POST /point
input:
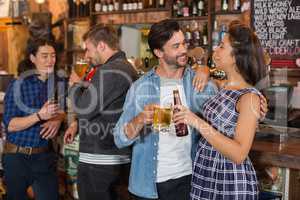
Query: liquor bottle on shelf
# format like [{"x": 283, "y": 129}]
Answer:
[
  {"x": 125, "y": 5},
  {"x": 72, "y": 10},
  {"x": 194, "y": 9},
  {"x": 188, "y": 36},
  {"x": 201, "y": 8},
  {"x": 134, "y": 5},
  {"x": 161, "y": 3},
  {"x": 110, "y": 6},
  {"x": 205, "y": 35},
  {"x": 81, "y": 8},
  {"x": 222, "y": 31},
  {"x": 185, "y": 9},
  {"x": 175, "y": 8},
  {"x": 195, "y": 35},
  {"x": 181, "y": 129},
  {"x": 97, "y": 6},
  {"x": 140, "y": 5},
  {"x": 116, "y": 5},
  {"x": 77, "y": 8},
  {"x": 210, "y": 63},
  {"x": 224, "y": 5},
  {"x": 86, "y": 8},
  {"x": 104, "y": 6},
  {"x": 237, "y": 5},
  {"x": 215, "y": 36},
  {"x": 180, "y": 4},
  {"x": 130, "y": 4},
  {"x": 151, "y": 4}
]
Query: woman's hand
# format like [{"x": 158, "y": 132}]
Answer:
[
  {"x": 182, "y": 114},
  {"x": 201, "y": 78},
  {"x": 49, "y": 110}
]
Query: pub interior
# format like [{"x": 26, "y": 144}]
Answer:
[{"x": 275, "y": 151}]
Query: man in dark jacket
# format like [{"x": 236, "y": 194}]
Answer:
[{"x": 98, "y": 107}]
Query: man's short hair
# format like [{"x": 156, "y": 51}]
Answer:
[
  {"x": 106, "y": 34},
  {"x": 161, "y": 32}
]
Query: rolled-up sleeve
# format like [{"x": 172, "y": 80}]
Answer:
[{"x": 129, "y": 112}]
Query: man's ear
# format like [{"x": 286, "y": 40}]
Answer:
[
  {"x": 158, "y": 53},
  {"x": 32, "y": 58},
  {"x": 101, "y": 46}
]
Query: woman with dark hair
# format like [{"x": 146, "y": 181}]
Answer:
[
  {"x": 222, "y": 169},
  {"x": 31, "y": 118}
]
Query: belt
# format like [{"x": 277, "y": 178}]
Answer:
[{"x": 12, "y": 148}]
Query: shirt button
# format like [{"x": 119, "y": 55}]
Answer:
[
  {"x": 154, "y": 172},
  {"x": 155, "y": 144},
  {"x": 153, "y": 158}
]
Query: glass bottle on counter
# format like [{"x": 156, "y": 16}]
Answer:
[{"x": 181, "y": 129}]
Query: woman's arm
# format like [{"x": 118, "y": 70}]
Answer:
[
  {"x": 235, "y": 149},
  {"x": 48, "y": 111}
]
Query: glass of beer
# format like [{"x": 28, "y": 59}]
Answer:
[
  {"x": 81, "y": 67},
  {"x": 162, "y": 119}
]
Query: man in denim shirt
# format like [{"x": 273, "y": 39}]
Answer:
[{"x": 161, "y": 163}]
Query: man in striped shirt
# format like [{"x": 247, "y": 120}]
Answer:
[{"x": 98, "y": 107}]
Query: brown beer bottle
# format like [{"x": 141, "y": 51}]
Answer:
[{"x": 181, "y": 129}]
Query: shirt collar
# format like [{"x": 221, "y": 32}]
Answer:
[{"x": 153, "y": 73}]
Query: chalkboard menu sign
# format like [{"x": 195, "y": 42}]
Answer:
[{"x": 277, "y": 24}]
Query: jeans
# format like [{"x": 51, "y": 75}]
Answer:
[
  {"x": 174, "y": 189},
  {"x": 38, "y": 170},
  {"x": 105, "y": 182}
]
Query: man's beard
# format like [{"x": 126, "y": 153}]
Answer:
[{"x": 173, "y": 61}]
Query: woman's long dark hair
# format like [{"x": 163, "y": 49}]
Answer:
[{"x": 248, "y": 52}]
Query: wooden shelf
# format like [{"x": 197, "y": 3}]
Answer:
[
  {"x": 190, "y": 18},
  {"x": 227, "y": 12},
  {"x": 75, "y": 50},
  {"x": 131, "y": 11},
  {"x": 76, "y": 19}
]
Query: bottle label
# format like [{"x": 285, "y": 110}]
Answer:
[
  {"x": 125, "y": 6},
  {"x": 185, "y": 11},
  {"x": 116, "y": 5},
  {"x": 110, "y": 7},
  {"x": 104, "y": 8},
  {"x": 140, "y": 5},
  {"x": 200, "y": 5},
  {"x": 97, "y": 7}
]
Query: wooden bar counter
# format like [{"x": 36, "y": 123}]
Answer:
[{"x": 278, "y": 146}]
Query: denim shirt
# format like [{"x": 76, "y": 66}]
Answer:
[{"x": 146, "y": 90}]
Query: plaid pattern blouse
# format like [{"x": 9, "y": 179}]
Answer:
[
  {"x": 24, "y": 97},
  {"x": 214, "y": 175}
]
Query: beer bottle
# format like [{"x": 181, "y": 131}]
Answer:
[{"x": 181, "y": 129}]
